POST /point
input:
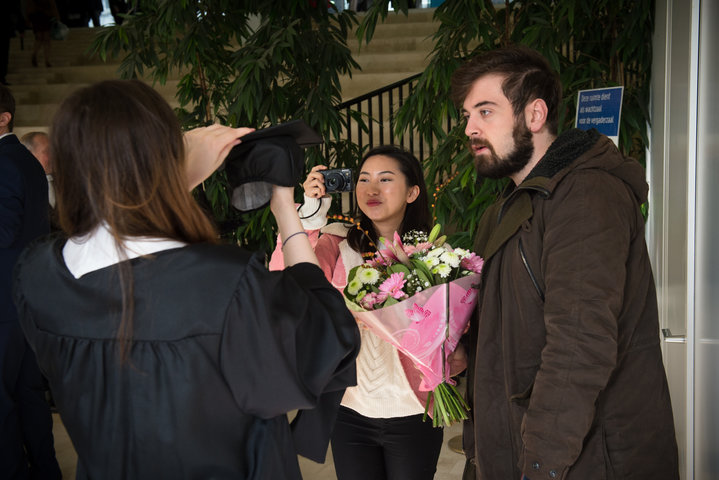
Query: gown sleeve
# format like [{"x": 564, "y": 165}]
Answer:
[{"x": 290, "y": 343}]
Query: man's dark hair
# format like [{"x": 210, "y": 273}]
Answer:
[
  {"x": 527, "y": 76},
  {"x": 7, "y": 104}
]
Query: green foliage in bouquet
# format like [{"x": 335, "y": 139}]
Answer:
[{"x": 406, "y": 266}]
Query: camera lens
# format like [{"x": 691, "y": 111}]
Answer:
[
  {"x": 333, "y": 181},
  {"x": 337, "y": 180}
]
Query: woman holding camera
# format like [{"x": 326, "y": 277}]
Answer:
[
  {"x": 379, "y": 433},
  {"x": 169, "y": 355}
]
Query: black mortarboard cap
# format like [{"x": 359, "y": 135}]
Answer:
[{"x": 266, "y": 157}]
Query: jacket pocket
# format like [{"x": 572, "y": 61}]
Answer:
[
  {"x": 593, "y": 461},
  {"x": 532, "y": 276},
  {"x": 518, "y": 405},
  {"x": 607, "y": 459},
  {"x": 522, "y": 398}
]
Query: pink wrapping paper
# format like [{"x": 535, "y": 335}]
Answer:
[{"x": 417, "y": 325}]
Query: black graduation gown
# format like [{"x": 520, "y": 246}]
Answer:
[{"x": 222, "y": 349}]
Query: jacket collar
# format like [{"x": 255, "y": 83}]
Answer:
[
  {"x": 9, "y": 138},
  {"x": 563, "y": 152},
  {"x": 502, "y": 219}
]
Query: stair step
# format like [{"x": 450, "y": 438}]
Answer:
[
  {"x": 63, "y": 74},
  {"x": 55, "y": 92},
  {"x": 362, "y": 83},
  {"x": 414, "y": 15},
  {"x": 389, "y": 62},
  {"x": 399, "y": 48},
  {"x": 392, "y": 44},
  {"x": 71, "y": 51},
  {"x": 42, "y": 113},
  {"x": 401, "y": 30}
]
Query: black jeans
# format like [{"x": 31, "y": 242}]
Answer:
[{"x": 402, "y": 448}]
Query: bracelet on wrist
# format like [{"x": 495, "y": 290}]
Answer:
[{"x": 284, "y": 242}]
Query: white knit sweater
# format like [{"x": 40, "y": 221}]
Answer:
[{"x": 382, "y": 389}]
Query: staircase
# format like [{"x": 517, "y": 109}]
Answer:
[{"x": 398, "y": 50}]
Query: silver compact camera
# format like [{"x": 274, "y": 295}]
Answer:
[{"x": 338, "y": 180}]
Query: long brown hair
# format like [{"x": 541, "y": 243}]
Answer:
[{"x": 119, "y": 158}]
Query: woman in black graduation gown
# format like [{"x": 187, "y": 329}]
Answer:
[{"x": 169, "y": 355}]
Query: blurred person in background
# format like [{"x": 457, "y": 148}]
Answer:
[
  {"x": 39, "y": 145},
  {"x": 26, "y": 443},
  {"x": 40, "y": 14}
]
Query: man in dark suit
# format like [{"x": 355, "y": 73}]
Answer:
[{"x": 26, "y": 442}]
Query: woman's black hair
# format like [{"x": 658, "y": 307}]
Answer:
[{"x": 416, "y": 217}]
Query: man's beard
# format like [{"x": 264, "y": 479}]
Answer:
[{"x": 500, "y": 167}]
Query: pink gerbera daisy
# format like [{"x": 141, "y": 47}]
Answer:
[
  {"x": 473, "y": 263},
  {"x": 393, "y": 285}
]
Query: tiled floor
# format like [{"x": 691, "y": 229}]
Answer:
[{"x": 450, "y": 464}]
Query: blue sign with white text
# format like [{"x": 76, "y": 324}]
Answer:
[{"x": 600, "y": 108}]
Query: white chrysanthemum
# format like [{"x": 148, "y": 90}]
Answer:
[
  {"x": 354, "y": 286},
  {"x": 430, "y": 261},
  {"x": 368, "y": 276},
  {"x": 436, "y": 252},
  {"x": 451, "y": 259},
  {"x": 461, "y": 252},
  {"x": 443, "y": 270}
]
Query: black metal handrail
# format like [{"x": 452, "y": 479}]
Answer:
[{"x": 379, "y": 108}]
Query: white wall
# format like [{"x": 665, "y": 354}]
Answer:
[{"x": 683, "y": 231}]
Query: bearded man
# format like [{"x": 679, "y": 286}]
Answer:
[{"x": 566, "y": 379}]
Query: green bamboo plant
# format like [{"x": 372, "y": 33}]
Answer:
[
  {"x": 256, "y": 62},
  {"x": 592, "y": 44},
  {"x": 248, "y": 63}
]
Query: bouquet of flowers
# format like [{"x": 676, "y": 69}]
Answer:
[{"x": 418, "y": 294}]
